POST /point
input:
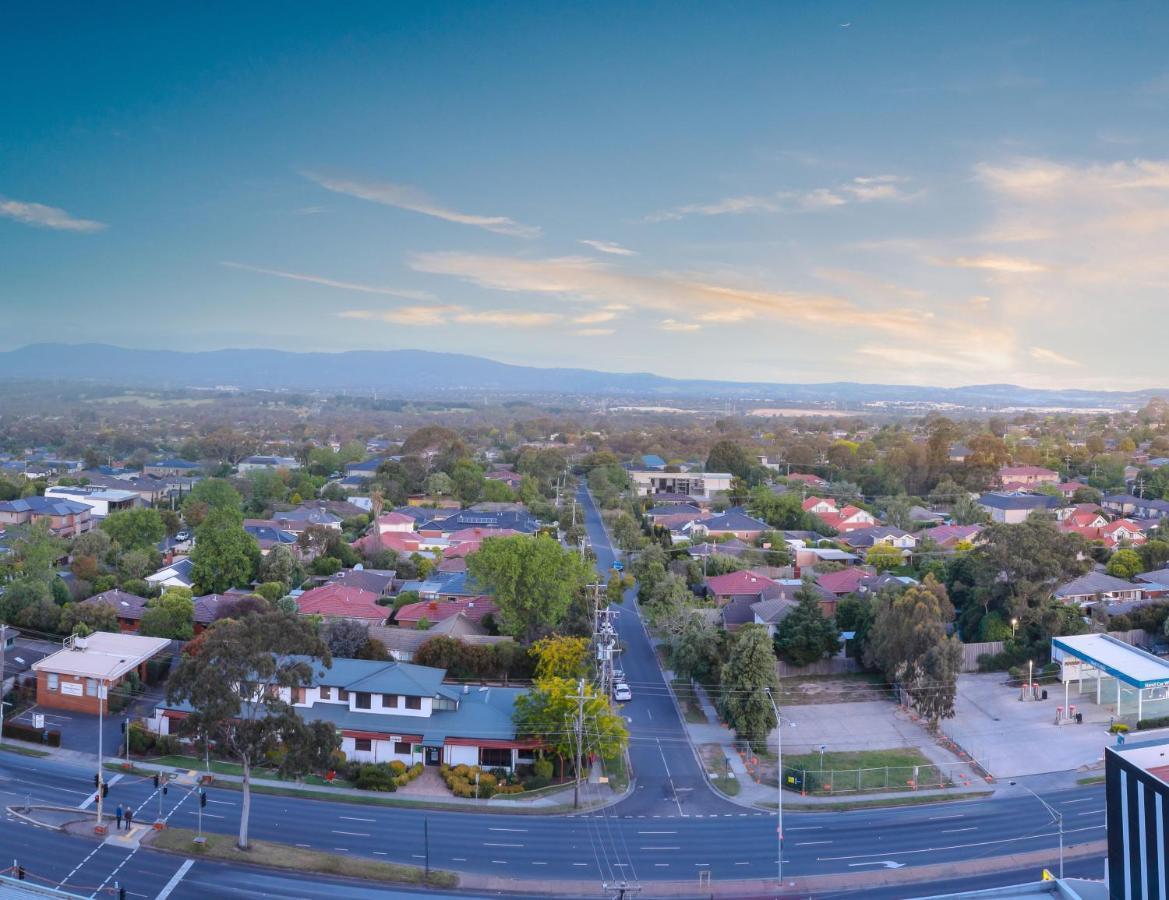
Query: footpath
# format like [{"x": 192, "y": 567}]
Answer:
[{"x": 595, "y": 794}]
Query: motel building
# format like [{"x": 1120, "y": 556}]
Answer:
[{"x": 70, "y": 678}]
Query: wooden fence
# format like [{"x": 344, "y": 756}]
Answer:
[
  {"x": 837, "y": 665},
  {"x": 971, "y": 652}
]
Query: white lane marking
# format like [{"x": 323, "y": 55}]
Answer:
[
  {"x": 356, "y": 819},
  {"x": 304, "y": 845},
  {"x": 82, "y": 863},
  {"x": 92, "y": 796},
  {"x": 661, "y": 848},
  {"x": 939, "y": 818},
  {"x": 811, "y": 843},
  {"x": 956, "y": 830},
  {"x": 522, "y": 830},
  {"x": 656, "y": 865},
  {"x": 350, "y": 833},
  {"x": 501, "y": 862},
  {"x": 1008, "y": 840},
  {"x": 657, "y": 832},
  {"x": 174, "y": 880},
  {"x": 490, "y": 844},
  {"x": 458, "y": 859},
  {"x": 228, "y": 803},
  {"x": 580, "y": 864},
  {"x": 1092, "y": 812},
  {"x": 379, "y": 852},
  {"x": 1081, "y": 800},
  {"x": 806, "y": 828}
]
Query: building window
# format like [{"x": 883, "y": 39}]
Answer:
[
  {"x": 365, "y": 744},
  {"x": 298, "y": 695},
  {"x": 326, "y": 693},
  {"x": 343, "y": 695},
  {"x": 413, "y": 703},
  {"x": 363, "y": 700},
  {"x": 389, "y": 701},
  {"x": 90, "y": 687},
  {"x": 492, "y": 757},
  {"x": 51, "y": 681},
  {"x": 403, "y": 748}
]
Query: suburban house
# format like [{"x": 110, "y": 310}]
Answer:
[
  {"x": 302, "y": 517},
  {"x": 389, "y": 711},
  {"x": 102, "y": 501},
  {"x": 812, "y": 481},
  {"x": 338, "y": 601},
  {"x": 1015, "y": 508},
  {"x": 1097, "y": 587},
  {"x": 948, "y": 537},
  {"x": 177, "y": 574},
  {"x": 128, "y": 607},
  {"x": 432, "y": 611},
  {"x": 70, "y": 678},
  {"x": 513, "y": 519},
  {"x": 1128, "y": 505},
  {"x": 169, "y": 468},
  {"x": 376, "y": 581},
  {"x": 702, "y": 485},
  {"x": 268, "y": 534},
  {"x": 772, "y": 610},
  {"x": 863, "y": 538},
  {"x": 848, "y": 518},
  {"x": 732, "y": 523},
  {"x": 674, "y": 515},
  {"x": 402, "y": 643},
  {"x": 743, "y": 583},
  {"x": 66, "y": 518},
  {"x": 253, "y": 463},
  {"x": 1014, "y": 477},
  {"x": 395, "y": 521},
  {"x": 651, "y": 462},
  {"x": 512, "y": 479}
]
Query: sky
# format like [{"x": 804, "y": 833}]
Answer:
[{"x": 939, "y": 192}]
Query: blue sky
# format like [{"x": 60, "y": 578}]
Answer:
[{"x": 946, "y": 193}]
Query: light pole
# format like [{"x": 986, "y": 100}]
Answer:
[
  {"x": 779, "y": 720},
  {"x": 1014, "y": 627},
  {"x": 102, "y": 693},
  {"x": 1056, "y": 817}
]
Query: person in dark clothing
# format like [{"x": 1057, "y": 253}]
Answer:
[
  {"x": 118, "y": 816},
  {"x": 129, "y": 818}
]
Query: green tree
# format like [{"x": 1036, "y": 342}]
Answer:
[
  {"x": 909, "y": 644},
  {"x": 1154, "y": 555},
  {"x": 440, "y": 484},
  {"x": 94, "y": 544},
  {"x": 783, "y": 511},
  {"x": 696, "y": 649},
  {"x": 728, "y": 456},
  {"x": 88, "y": 616},
  {"x": 36, "y": 550},
  {"x": 237, "y": 683},
  {"x": 171, "y": 615},
  {"x": 1125, "y": 564},
  {"x": 967, "y": 511},
  {"x": 627, "y": 531},
  {"x": 747, "y": 676},
  {"x": 224, "y": 556},
  {"x": 135, "y": 529},
  {"x": 897, "y": 512},
  {"x": 806, "y": 635},
  {"x": 209, "y": 495},
  {"x": 281, "y": 565},
  {"x": 533, "y": 580}
]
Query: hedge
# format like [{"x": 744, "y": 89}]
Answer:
[
  {"x": 27, "y": 733},
  {"x": 1158, "y": 722}
]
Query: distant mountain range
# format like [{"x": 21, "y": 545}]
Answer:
[{"x": 426, "y": 373}]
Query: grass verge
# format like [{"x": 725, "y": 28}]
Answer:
[
  {"x": 913, "y": 800},
  {"x": 618, "y": 773},
  {"x": 23, "y": 751},
  {"x": 688, "y": 700},
  {"x": 1091, "y": 779},
  {"x": 219, "y": 767},
  {"x": 285, "y": 856}
]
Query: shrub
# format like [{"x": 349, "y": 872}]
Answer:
[
  {"x": 375, "y": 777},
  {"x": 28, "y": 733},
  {"x": 1158, "y": 722},
  {"x": 397, "y": 767},
  {"x": 543, "y": 769},
  {"x": 166, "y": 745},
  {"x": 1118, "y": 728},
  {"x": 415, "y": 770},
  {"x": 509, "y": 789},
  {"x": 141, "y": 740}
]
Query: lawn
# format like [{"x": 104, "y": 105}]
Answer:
[
  {"x": 284, "y": 856},
  {"x": 219, "y": 767},
  {"x": 23, "y": 751},
  {"x": 617, "y": 771},
  {"x": 688, "y": 700},
  {"x": 861, "y": 771},
  {"x": 714, "y": 761}
]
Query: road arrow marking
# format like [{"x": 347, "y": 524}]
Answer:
[{"x": 887, "y": 863}]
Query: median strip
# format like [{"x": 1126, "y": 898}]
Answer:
[{"x": 286, "y": 856}]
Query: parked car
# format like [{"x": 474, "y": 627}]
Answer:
[
  {"x": 183, "y": 536},
  {"x": 621, "y": 693}
]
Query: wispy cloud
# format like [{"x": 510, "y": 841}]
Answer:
[
  {"x": 993, "y": 263},
  {"x": 445, "y": 314},
  {"x": 42, "y": 216},
  {"x": 406, "y": 197},
  {"x": 403, "y": 293},
  {"x": 675, "y": 325},
  {"x": 866, "y": 189},
  {"x": 608, "y": 247},
  {"x": 1043, "y": 354},
  {"x": 594, "y": 332},
  {"x": 595, "y": 318}
]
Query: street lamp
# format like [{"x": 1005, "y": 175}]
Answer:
[
  {"x": 779, "y": 720},
  {"x": 1014, "y": 626},
  {"x": 1056, "y": 817}
]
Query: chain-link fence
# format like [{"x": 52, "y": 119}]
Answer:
[{"x": 880, "y": 779}]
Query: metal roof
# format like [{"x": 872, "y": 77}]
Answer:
[{"x": 1125, "y": 662}]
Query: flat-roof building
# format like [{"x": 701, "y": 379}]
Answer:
[{"x": 72, "y": 677}]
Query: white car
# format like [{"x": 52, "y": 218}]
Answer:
[{"x": 621, "y": 693}]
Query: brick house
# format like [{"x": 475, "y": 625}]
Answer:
[{"x": 71, "y": 678}]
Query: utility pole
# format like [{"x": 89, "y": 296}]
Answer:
[
  {"x": 99, "y": 781},
  {"x": 3, "y": 641},
  {"x": 579, "y": 726},
  {"x": 778, "y": 790}
]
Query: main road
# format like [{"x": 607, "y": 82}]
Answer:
[{"x": 671, "y": 828}]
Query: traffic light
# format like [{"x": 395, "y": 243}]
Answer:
[
  {"x": 156, "y": 781},
  {"x": 20, "y": 873},
  {"x": 105, "y": 790},
  {"x": 202, "y": 797},
  {"x": 123, "y": 726},
  {"x": 164, "y": 790},
  {"x": 96, "y": 780}
]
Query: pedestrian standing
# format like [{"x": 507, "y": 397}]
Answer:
[
  {"x": 118, "y": 815},
  {"x": 129, "y": 818}
]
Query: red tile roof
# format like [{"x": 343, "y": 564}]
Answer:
[
  {"x": 474, "y": 608},
  {"x": 845, "y": 581},
  {"x": 737, "y": 584},
  {"x": 339, "y": 601}
]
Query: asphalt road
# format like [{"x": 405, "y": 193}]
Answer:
[{"x": 671, "y": 828}]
